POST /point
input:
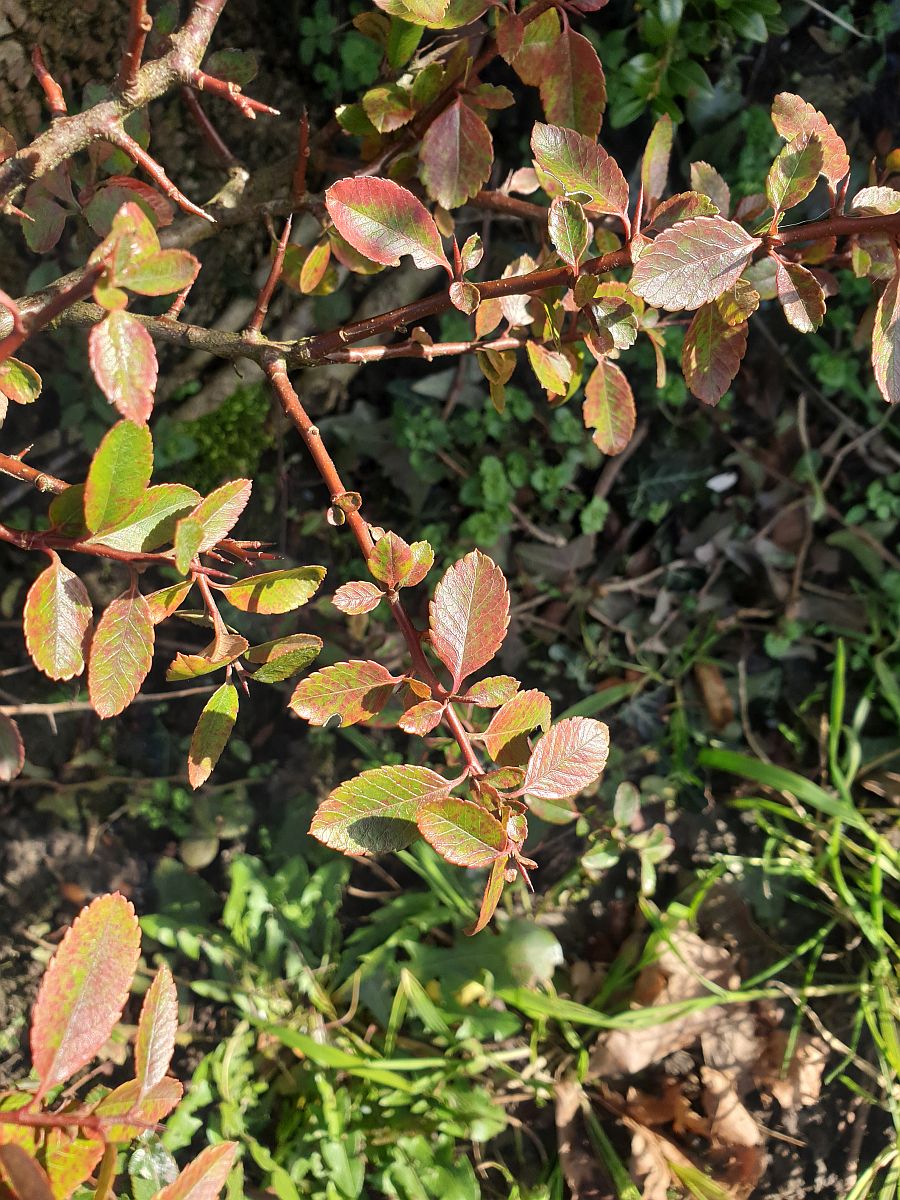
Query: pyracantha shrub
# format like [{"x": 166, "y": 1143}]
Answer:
[{"x": 614, "y": 264}]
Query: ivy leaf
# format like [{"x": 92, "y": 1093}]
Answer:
[
  {"x": 569, "y": 231},
  {"x": 12, "y": 749},
  {"x": 376, "y": 811},
  {"x": 609, "y": 408},
  {"x": 712, "y": 353},
  {"x": 794, "y": 172},
  {"x": 121, "y": 653},
  {"x": 693, "y": 262},
  {"x": 456, "y": 155},
  {"x": 491, "y": 692},
  {"x": 469, "y": 615},
  {"x": 152, "y": 523},
  {"x": 708, "y": 182},
  {"x": 572, "y": 84},
  {"x": 581, "y": 166},
  {"x": 493, "y": 890},
  {"x": 165, "y": 601},
  {"x": 524, "y": 712},
  {"x": 274, "y": 592},
  {"x": 118, "y": 476},
  {"x": 567, "y": 759},
  {"x": 205, "y": 1177},
  {"x": 211, "y": 733},
  {"x": 655, "y": 163},
  {"x": 358, "y": 596},
  {"x": 886, "y": 342},
  {"x": 218, "y": 513},
  {"x": 284, "y": 657},
  {"x": 57, "y": 621},
  {"x": 463, "y": 833},
  {"x": 157, "y": 1026},
  {"x": 422, "y": 718},
  {"x": 552, "y": 368},
  {"x": 382, "y": 221},
  {"x": 680, "y": 208},
  {"x": 84, "y": 989},
  {"x": 800, "y": 295},
  {"x": 793, "y": 118},
  {"x": 159, "y": 274},
  {"x": 19, "y": 382},
  {"x": 127, "y": 1111},
  {"x": 354, "y": 691},
  {"x": 219, "y": 653}
]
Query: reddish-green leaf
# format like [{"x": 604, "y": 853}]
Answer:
[
  {"x": 552, "y": 368},
  {"x": 536, "y": 46},
  {"x": 655, "y": 163},
  {"x": 159, "y": 274},
  {"x": 572, "y": 85},
  {"x": 567, "y": 759},
  {"x": 616, "y": 310},
  {"x": 794, "y": 172},
  {"x": 391, "y": 559},
  {"x": 157, "y": 1027},
  {"x": 66, "y": 512},
  {"x": 57, "y": 621},
  {"x": 48, "y": 219},
  {"x": 581, "y": 166},
  {"x": 164, "y": 602},
  {"x": 127, "y": 1111},
  {"x": 205, "y": 1177},
  {"x": 739, "y": 303},
  {"x": 680, "y": 208},
  {"x": 123, "y": 362},
  {"x": 422, "y": 718},
  {"x": 84, "y": 989},
  {"x": 152, "y": 523},
  {"x": 315, "y": 267},
  {"x": 382, "y": 220},
  {"x": 469, "y": 615},
  {"x": 284, "y": 657},
  {"x": 464, "y": 296},
  {"x": 219, "y": 512},
  {"x": 69, "y": 1160},
  {"x": 463, "y": 833},
  {"x": 19, "y": 382},
  {"x": 801, "y": 296},
  {"x": 358, "y": 596},
  {"x": 708, "y": 182},
  {"x": 456, "y": 155},
  {"x": 886, "y": 342},
  {"x": 188, "y": 536},
  {"x": 27, "y": 1177},
  {"x": 12, "y": 749},
  {"x": 693, "y": 262},
  {"x": 569, "y": 231},
  {"x": 871, "y": 200},
  {"x": 211, "y": 733},
  {"x": 219, "y": 653},
  {"x": 121, "y": 653},
  {"x": 276, "y": 591},
  {"x": 388, "y": 107},
  {"x": 376, "y": 812},
  {"x": 353, "y": 691},
  {"x": 493, "y": 890},
  {"x": 712, "y": 353},
  {"x": 491, "y": 692},
  {"x": 503, "y": 778},
  {"x": 793, "y": 117},
  {"x": 118, "y": 476},
  {"x": 609, "y": 408},
  {"x": 524, "y": 712}
]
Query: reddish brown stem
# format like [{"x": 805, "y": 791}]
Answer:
[
  {"x": 10, "y": 304},
  {"x": 838, "y": 227},
  {"x": 411, "y": 349},
  {"x": 268, "y": 288},
  {"x": 206, "y": 127},
  {"x": 10, "y": 465},
  {"x": 231, "y": 91},
  {"x": 510, "y": 206},
  {"x": 56, "y": 101},
  {"x": 298, "y": 182},
  {"x": 276, "y": 370},
  {"x": 26, "y": 539},
  {"x": 117, "y": 135},
  {"x": 139, "y": 25},
  {"x": 30, "y": 322}
]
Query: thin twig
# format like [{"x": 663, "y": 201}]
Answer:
[
  {"x": 56, "y": 101},
  {"x": 12, "y": 465},
  {"x": 69, "y": 706},
  {"x": 231, "y": 91},
  {"x": 206, "y": 127},
  {"x": 126, "y": 143},
  {"x": 268, "y": 288},
  {"x": 139, "y": 25}
]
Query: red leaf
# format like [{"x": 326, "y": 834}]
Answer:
[
  {"x": 801, "y": 296},
  {"x": 524, "y": 712},
  {"x": 456, "y": 155},
  {"x": 793, "y": 117},
  {"x": 886, "y": 342},
  {"x": 422, "y": 718},
  {"x": 211, "y": 733},
  {"x": 679, "y": 208},
  {"x": 567, "y": 759},
  {"x": 693, "y": 262},
  {"x": 376, "y": 812},
  {"x": 205, "y": 1177},
  {"x": 573, "y": 88},
  {"x": 469, "y": 615},
  {"x": 157, "y": 1027},
  {"x": 358, "y": 596},
  {"x": 121, "y": 653},
  {"x": 609, "y": 408},
  {"x": 84, "y": 989},
  {"x": 382, "y": 220},
  {"x": 57, "y": 621},
  {"x": 493, "y": 890},
  {"x": 655, "y": 163},
  {"x": 491, "y": 692},
  {"x": 712, "y": 353},
  {"x": 12, "y": 749},
  {"x": 353, "y": 691},
  {"x": 463, "y": 833},
  {"x": 581, "y": 166}
]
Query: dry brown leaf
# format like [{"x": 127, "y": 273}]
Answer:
[
  {"x": 716, "y": 697},
  {"x": 651, "y": 1154},
  {"x": 801, "y": 1083},
  {"x": 729, "y": 1121},
  {"x": 734, "y": 1046},
  {"x": 577, "y": 1159}
]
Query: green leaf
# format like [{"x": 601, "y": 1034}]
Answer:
[
  {"x": 463, "y": 833},
  {"x": 568, "y": 759},
  {"x": 284, "y": 657},
  {"x": 152, "y": 523},
  {"x": 800, "y": 295},
  {"x": 219, "y": 512},
  {"x": 276, "y": 591},
  {"x": 353, "y": 691},
  {"x": 234, "y": 66},
  {"x": 205, "y": 1177},
  {"x": 376, "y": 812},
  {"x": 581, "y": 167},
  {"x": 569, "y": 231},
  {"x": 655, "y": 163},
  {"x": 121, "y": 653},
  {"x": 57, "y": 621},
  {"x": 493, "y": 890},
  {"x": 469, "y": 615},
  {"x": 693, "y": 262},
  {"x": 609, "y": 408},
  {"x": 382, "y": 221},
  {"x": 708, "y": 182},
  {"x": 12, "y": 749},
  {"x": 164, "y": 602},
  {"x": 118, "y": 476},
  {"x": 188, "y": 536},
  {"x": 712, "y": 353},
  {"x": 212, "y": 733},
  {"x": 739, "y": 303},
  {"x": 157, "y": 1026},
  {"x": 19, "y": 382},
  {"x": 159, "y": 274},
  {"x": 886, "y": 342},
  {"x": 524, "y": 712},
  {"x": 66, "y": 512},
  {"x": 572, "y": 85},
  {"x": 84, "y": 989},
  {"x": 492, "y": 691},
  {"x": 388, "y": 107},
  {"x": 219, "y": 653},
  {"x": 456, "y": 155},
  {"x": 794, "y": 172},
  {"x": 616, "y": 311},
  {"x": 551, "y": 367}
]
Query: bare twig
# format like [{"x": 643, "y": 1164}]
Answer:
[
  {"x": 117, "y": 135},
  {"x": 11, "y": 464},
  {"x": 231, "y": 91},
  {"x": 56, "y": 101},
  {"x": 206, "y": 127},
  {"x": 139, "y": 25},
  {"x": 268, "y": 288}
]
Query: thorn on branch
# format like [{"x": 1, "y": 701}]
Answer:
[
  {"x": 139, "y": 25},
  {"x": 151, "y": 167},
  {"x": 232, "y": 92},
  {"x": 56, "y": 101},
  {"x": 209, "y": 131},
  {"x": 268, "y": 288}
]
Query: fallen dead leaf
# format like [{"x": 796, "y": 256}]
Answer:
[
  {"x": 579, "y": 1163},
  {"x": 800, "y": 1084},
  {"x": 716, "y": 697},
  {"x": 729, "y": 1121},
  {"x": 651, "y": 1156}
]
